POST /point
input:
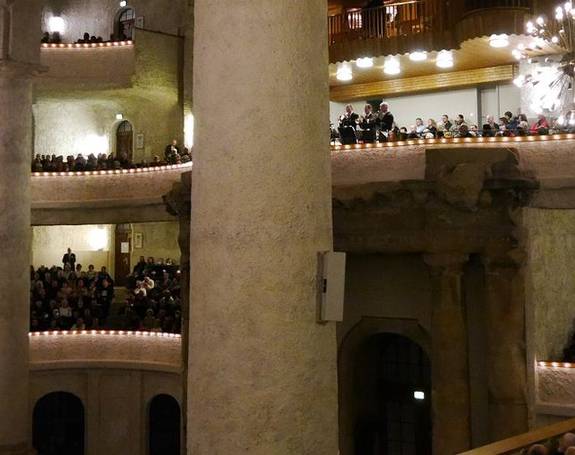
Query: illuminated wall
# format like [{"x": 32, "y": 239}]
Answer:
[
  {"x": 92, "y": 244},
  {"x": 159, "y": 240}
]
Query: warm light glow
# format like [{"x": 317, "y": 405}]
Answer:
[
  {"x": 123, "y": 3},
  {"x": 344, "y": 73},
  {"x": 56, "y": 24},
  {"x": 98, "y": 239},
  {"x": 419, "y": 395},
  {"x": 92, "y": 143},
  {"x": 392, "y": 66},
  {"x": 119, "y": 116},
  {"x": 364, "y": 62},
  {"x": 189, "y": 130},
  {"x": 498, "y": 41},
  {"x": 418, "y": 56},
  {"x": 444, "y": 59}
]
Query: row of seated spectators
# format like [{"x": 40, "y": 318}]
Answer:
[
  {"x": 154, "y": 300},
  {"x": 56, "y": 38},
  {"x": 380, "y": 126},
  {"x": 69, "y": 297},
  {"x": 564, "y": 445},
  {"x": 80, "y": 163}
]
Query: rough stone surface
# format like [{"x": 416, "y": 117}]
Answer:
[{"x": 262, "y": 374}]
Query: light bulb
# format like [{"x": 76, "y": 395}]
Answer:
[
  {"x": 364, "y": 62},
  {"x": 418, "y": 56},
  {"x": 444, "y": 59},
  {"x": 392, "y": 66},
  {"x": 344, "y": 73},
  {"x": 498, "y": 41}
]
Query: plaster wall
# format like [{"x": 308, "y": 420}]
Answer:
[
  {"x": 550, "y": 245},
  {"x": 386, "y": 286},
  {"x": 159, "y": 240},
  {"x": 97, "y": 16},
  {"x": 49, "y": 243}
]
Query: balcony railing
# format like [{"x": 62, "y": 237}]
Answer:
[
  {"x": 471, "y": 5},
  {"x": 392, "y": 20}
]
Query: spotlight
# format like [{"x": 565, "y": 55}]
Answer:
[
  {"x": 418, "y": 56},
  {"x": 364, "y": 62},
  {"x": 344, "y": 73},
  {"x": 499, "y": 41},
  {"x": 392, "y": 66},
  {"x": 444, "y": 59}
]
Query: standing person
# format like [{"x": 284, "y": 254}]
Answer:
[
  {"x": 70, "y": 259},
  {"x": 367, "y": 124},
  {"x": 348, "y": 122},
  {"x": 384, "y": 121}
]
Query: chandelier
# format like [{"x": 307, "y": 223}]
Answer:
[{"x": 552, "y": 78}]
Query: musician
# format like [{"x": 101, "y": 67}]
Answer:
[
  {"x": 348, "y": 123},
  {"x": 384, "y": 121},
  {"x": 367, "y": 124}
]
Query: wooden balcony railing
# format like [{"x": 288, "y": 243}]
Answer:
[
  {"x": 515, "y": 444},
  {"x": 471, "y": 5},
  {"x": 392, "y": 20}
]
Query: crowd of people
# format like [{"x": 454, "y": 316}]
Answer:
[
  {"x": 153, "y": 303},
  {"x": 564, "y": 445},
  {"x": 80, "y": 163},
  {"x": 380, "y": 126},
  {"x": 56, "y": 38},
  {"x": 68, "y": 297}
]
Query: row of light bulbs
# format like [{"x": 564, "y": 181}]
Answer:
[{"x": 392, "y": 65}]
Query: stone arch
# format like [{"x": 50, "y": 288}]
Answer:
[{"x": 164, "y": 425}]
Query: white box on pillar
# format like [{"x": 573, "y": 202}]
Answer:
[{"x": 332, "y": 269}]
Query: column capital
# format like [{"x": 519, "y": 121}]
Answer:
[
  {"x": 440, "y": 263},
  {"x": 512, "y": 259}
]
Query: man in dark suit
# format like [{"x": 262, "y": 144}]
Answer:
[
  {"x": 70, "y": 258},
  {"x": 384, "y": 121}
]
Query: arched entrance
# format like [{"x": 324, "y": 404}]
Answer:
[
  {"x": 124, "y": 141},
  {"x": 164, "y": 426},
  {"x": 125, "y": 24},
  {"x": 392, "y": 387},
  {"x": 58, "y": 425}
]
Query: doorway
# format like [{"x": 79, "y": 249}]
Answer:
[
  {"x": 124, "y": 141},
  {"x": 58, "y": 425},
  {"x": 122, "y": 251},
  {"x": 392, "y": 376},
  {"x": 125, "y": 24},
  {"x": 164, "y": 429}
]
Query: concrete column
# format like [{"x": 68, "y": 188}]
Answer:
[
  {"x": 449, "y": 365},
  {"x": 506, "y": 357},
  {"x": 19, "y": 51},
  {"x": 262, "y": 372},
  {"x": 15, "y": 153}
]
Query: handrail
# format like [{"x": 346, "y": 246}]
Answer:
[
  {"x": 391, "y": 20},
  {"x": 512, "y": 445}
]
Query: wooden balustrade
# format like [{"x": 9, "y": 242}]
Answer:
[
  {"x": 515, "y": 444},
  {"x": 392, "y": 20}
]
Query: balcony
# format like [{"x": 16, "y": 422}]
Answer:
[{"x": 390, "y": 29}]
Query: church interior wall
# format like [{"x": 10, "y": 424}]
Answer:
[{"x": 159, "y": 240}]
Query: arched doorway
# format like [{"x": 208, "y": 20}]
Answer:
[
  {"x": 125, "y": 24},
  {"x": 58, "y": 425},
  {"x": 392, "y": 377},
  {"x": 124, "y": 141},
  {"x": 164, "y": 426}
]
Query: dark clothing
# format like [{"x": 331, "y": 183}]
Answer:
[
  {"x": 168, "y": 153},
  {"x": 349, "y": 120},
  {"x": 368, "y": 121},
  {"x": 385, "y": 121},
  {"x": 70, "y": 258}
]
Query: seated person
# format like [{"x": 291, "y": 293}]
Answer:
[
  {"x": 419, "y": 127},
  {"x": 430, "y": 129},
  {"x": 172, "y": 150},
  {"x": 541, "y": 126},
  {"x": 488, "y": 131},
  {"x": 445, "y": 124}
]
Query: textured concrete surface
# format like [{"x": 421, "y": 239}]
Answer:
[{"x": 262, "y": 374}]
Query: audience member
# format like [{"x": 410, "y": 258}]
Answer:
[
  {"x": 385, "y": 121},
  {"x": 69, "y": 259}
]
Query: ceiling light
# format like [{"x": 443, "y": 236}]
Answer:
[
  {"x": 344, "y": 73},
  {"x": 56, "y": 25},
  {"x": 123, "y": 3},
  {"x": 498, "y": 41},
  {"x": 418, "y": 56},
  {"x": 364, "y": 62},
  {"x": 444, "y": 59},
  {"x": 392, "y": 66},
  {"x": 119, "y": 116},
  {"x": 419, "y": 395}
]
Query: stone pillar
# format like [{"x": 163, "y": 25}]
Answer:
[
  {"x": 506, "y": 356},
  {"x": 262, "y": 372},
  {"x": 19, "y": 47},
  {"x": 449, "y": 365}
]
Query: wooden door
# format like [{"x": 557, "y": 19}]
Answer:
[
  {"x": 123, "y": 247},
  {"x": 124, "y": 141}
]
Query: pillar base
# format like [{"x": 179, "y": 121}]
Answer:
[{"x": 17, "y": 449}]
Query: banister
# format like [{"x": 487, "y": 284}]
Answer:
[{"x": 514, "y": 444}]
